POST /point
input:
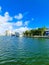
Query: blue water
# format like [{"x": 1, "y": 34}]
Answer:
[{"x": 24, "y": 51}]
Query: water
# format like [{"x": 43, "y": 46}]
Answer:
[{"x": 24, "y": 51}]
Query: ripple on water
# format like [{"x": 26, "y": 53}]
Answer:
[{"x": 24, "y": 51}]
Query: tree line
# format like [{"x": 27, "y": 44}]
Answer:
[{"x": 33, "y": 32}]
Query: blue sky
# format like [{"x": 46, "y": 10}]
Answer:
[{"x": 24, "y": 14}]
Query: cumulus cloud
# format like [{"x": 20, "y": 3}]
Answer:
[
  {"x": 19, "y": 23},
  {"x": 19, "y": 16},
  {"x": 5, "y": 23},
  {"x": 26, "y": 23},
  {"x": 7, "y": 16},
  {"x": 22, "y": 29},
  {"x": 4, "y": 19}
]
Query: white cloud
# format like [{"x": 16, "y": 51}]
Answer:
[
  {"x": 26, "y": 23},
  {"x": 4, "y": 19},
  {"x": 19, "y": 23},
  {"x": 19, "y": 16},
  {"x": 5, "y": 26},
  {"x": 21, "y": 29},
  {"x": 7, "y": 17},
  {"x": 5, "y": 23}
]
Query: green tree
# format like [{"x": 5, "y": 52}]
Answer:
[
  {"x": 26, "y": 33},
  {"x": 42, "y": 30}
]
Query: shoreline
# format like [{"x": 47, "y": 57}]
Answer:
[
  {"x": 41, "y": 36},
  {"x": 37, "y": 36}
]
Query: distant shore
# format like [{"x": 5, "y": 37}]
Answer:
[{"x": 38, "y": 36}]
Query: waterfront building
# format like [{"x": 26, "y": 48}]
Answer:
[
  {"x": 47, "y": 32},
  {"x": 8, "y": 33},
  {"x": 17, "y": 34}
]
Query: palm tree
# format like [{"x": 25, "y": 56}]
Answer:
[
  {"x": 26, "y": 33},
  {"x": 42, "y": 30}
]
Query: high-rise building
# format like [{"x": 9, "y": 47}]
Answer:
[{"x": 8, "y": 33}]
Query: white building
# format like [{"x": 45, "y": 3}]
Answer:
[{"x": 8, "y": 33}]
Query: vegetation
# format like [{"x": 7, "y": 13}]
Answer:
[{"x": 38, "y": 32}]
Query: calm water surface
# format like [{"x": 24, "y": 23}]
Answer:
[{"x": 24, "y": 51}]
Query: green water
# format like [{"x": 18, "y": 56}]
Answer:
[{"x": 24, "y": 51}]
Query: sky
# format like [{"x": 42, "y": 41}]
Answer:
[{"x": 22, "y": 15}]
